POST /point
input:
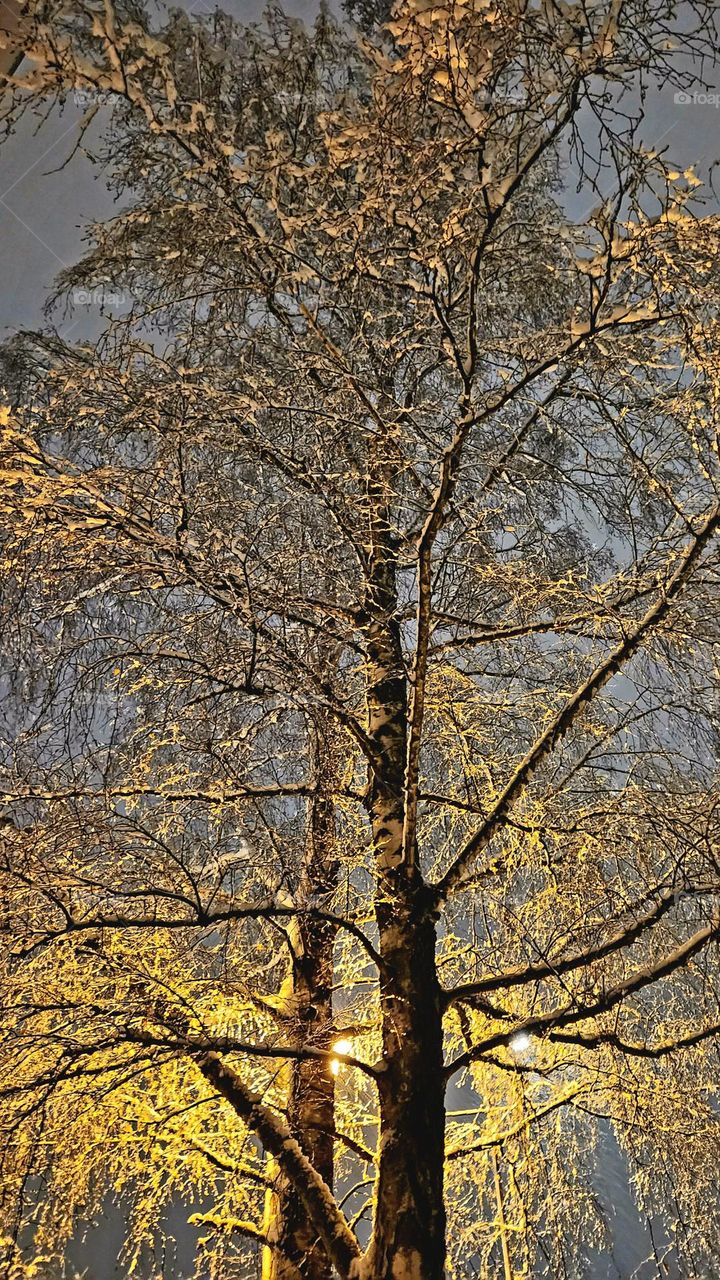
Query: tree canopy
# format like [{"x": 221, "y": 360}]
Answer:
[{"x": 359, "y": 859}]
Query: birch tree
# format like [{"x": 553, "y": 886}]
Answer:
[{"x": 360, "y": 852}]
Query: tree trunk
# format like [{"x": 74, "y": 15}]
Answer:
[
  {"x": 409, "y": 1226},
  {"x": 297, "y": 1251},
  {"x": 409, "y": 1235}
]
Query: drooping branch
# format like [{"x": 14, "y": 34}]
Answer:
[
  {"x": 542, "y": 1024},
  {"x": 583, "y": 623},
  {"x": 634, "y": 1049},
  {"x": 232, "y": 1044},
  {"x": 230, "y": 1225},
  {"x": 322, "y": 1210},
  {"x": 486, "y": 1144},
  {"x": 200, "y": 920},
  {"x": 81, "y": 502},
  {"x": 216, "y": 797},
  {"x": 566, "y": 717},
  {"x": 622, "y": 938}
]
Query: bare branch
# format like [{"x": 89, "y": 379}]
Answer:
[
  {"x": 544, "y": 1023},
  {"x": 524, "y": 974},
  {"x": 559, "y": 725}
]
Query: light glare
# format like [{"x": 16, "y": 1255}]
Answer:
[
  {"x": 520, "y": 1042},
  {"x": 340, "y": 1046}
]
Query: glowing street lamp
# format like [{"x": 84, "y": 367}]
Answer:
[
  {"x": 519, "y": 1042},
  {"x": 340, "y": 1046}
]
